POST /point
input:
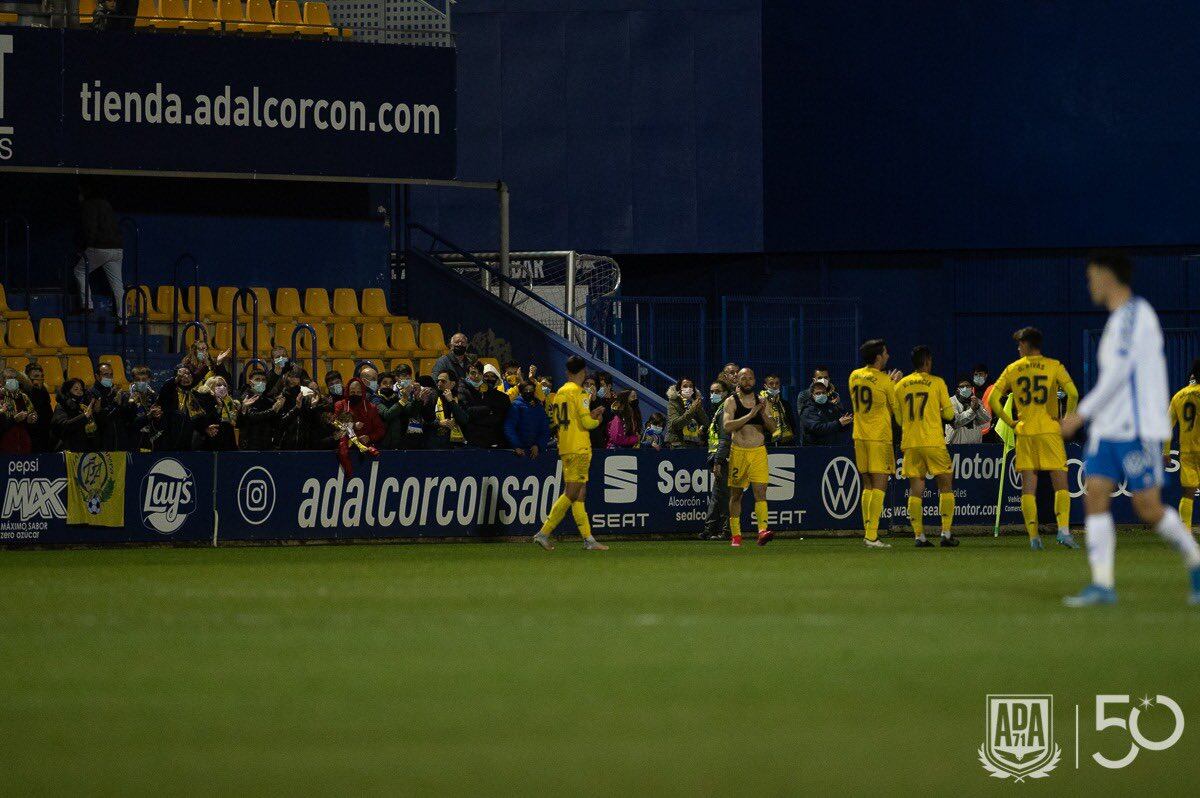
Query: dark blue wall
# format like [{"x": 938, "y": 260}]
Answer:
[
  {"x": 963, "y": 123},
  {"x": 621, "y": 125}
]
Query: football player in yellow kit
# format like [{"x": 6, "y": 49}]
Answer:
[
  {"x": 923, "y": 406},
  {"x": 571, "y": 418},
  {"x": 873, "y": 397},
  {"x": 1185, "y": 413},
  {"x": 1034, "y": 381}
]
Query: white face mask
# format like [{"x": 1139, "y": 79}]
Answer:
[
  {"x": 965, "y": 393},
  {"x": 687, "y": 393},
  {"x": 980, "y": 379},
  {"x": 220, "y": 391}
]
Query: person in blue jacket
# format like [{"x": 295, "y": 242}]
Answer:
[
  {"x": 527, "y": 426},
  {"x": 824, "y": 421}
]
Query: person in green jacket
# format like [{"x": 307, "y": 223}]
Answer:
[{"x": 687, "y": 422}]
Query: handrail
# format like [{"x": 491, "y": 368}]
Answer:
[
  {"x": 299, "y": 328},
  {"x": 237, "y": 302},
  {"x": 137, "y": 245},
  {"x": 24, "y": 222},
  {"x": 140, "y": 311},
  {"x": 494, "y": 272},
  {"x": 197, "y": 325},
  {"x": 175, "y": 285}
]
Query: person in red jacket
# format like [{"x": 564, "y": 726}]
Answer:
[{"x": 367, "y": 425}]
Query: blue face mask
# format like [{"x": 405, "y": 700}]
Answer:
[
  {"x": 281, "y": 361},
  {"x": 821, "y": 398},
  {"x": 11, "y": 384},
  {"x": 716, "y": 398},
  {"x": 106, "y": 382},
  {"x": 603, "y": 392},
  {"x": 405, "y": 383},
  {"x": 474, "y": 383},
  {"x": 260, "y": 386},
  {"x": 545, "y": 390},
  {"x": 772, "y": 392},
  {"x": 336, "y": 389},
  {"x": 141, "y": 386},
  {"x": 653, "y": 430},
  {"x": 373, "y": 385}
]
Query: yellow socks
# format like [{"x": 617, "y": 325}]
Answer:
[
  {"x": 735, "y": 526},
  {"x": 579, "y": 513},
  {"x": 1062, "y": 510},
  {"x": 876, "y": 511},
  {"x": 1029, "y": 511},
  {"x": 946, "y": 508},
  {"x": 760, "y": 514},
  {"x": 1185, "y": 512},
  {"x": 916, "y": 516},
  {"x": 558, "y": 511},
  {"x": 872, "y": 509}
]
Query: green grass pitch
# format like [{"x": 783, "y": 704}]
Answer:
[{"x": 658, "y": 668}]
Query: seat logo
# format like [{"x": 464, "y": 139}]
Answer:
[
  {"x": 620, "y": 479},
  {"x": 840, "y": 487},
  {"x": 782, "y": 484}
]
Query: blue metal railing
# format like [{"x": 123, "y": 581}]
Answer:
[
  {"x": 130, "y": 223},
  {"x": 1181, "y": 345},
  {"x": 670, "y": 331},
  {"x": 141, "y": 313},
  {"x": 18, "y": 219},
  {"x": 238, "y": 302},
  {"x": 187, "y": 256},
  {"x": 299, "y": 328},
  {"x": 495, "y": 273}
]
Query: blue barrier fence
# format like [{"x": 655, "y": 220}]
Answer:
[
  {"x": 261, "y": 496},
  {"x": 669, "y": 331}
]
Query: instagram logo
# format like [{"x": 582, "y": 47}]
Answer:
[{"x": 256, "y": 495}]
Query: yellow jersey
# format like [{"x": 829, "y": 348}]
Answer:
[
  {"x": 1034, "y": 382},
  {"x": 1185, "y": 411},
  {"x": 874, "y": 399},
  {"x": 923, "y": 406},
  {"x": 571, "y": 418}
]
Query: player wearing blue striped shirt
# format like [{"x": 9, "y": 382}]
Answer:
[{"x": 1127, "y": 414}]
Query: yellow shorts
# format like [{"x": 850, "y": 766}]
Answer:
[
  {"x": 874, "y": 457},
  {"x": 748, "y": 466},
  {"x": 1041, "y": 452},
  {"x": 920, "y": 461},
  {"x": 576, "y": 467},
  {"x": 1189, "y": 469}
]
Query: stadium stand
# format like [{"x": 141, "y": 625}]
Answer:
[{"x": 8, "y": 313}]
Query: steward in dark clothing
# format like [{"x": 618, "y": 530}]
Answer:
[
  {"x": 257, "y": 423},
  {"x": 109, "y": 418},
  {"x": 485, "y": 428},
  {"x": 295, "y": 419}
]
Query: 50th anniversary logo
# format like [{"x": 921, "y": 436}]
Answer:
[{"x": 1020, "y": 744}]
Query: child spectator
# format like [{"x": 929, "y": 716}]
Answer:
[{"x": 652, "y": 436}]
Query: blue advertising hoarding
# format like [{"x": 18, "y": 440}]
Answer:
[
  {"x": 225, "y": 104},
  {"x": 261, "y": 496}
]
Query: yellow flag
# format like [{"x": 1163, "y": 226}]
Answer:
[
  {"x": 1006, "y": 433},
  {"x": 96, "y": 488}
]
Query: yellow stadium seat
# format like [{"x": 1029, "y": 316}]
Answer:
[
  {"x": 17, "y": 362},
  {"x": 164, "y": 298},
  {"x": 403, "y": 342},
  {"x": 131, "y": 302},
  {"x": 304, "y": 342},
  {"x": 118, "y": 366},
  {"x": 7, "y": 312},
  {"x": 317, "y": 22},
  {"x": 266, "y": 309},
  {"x": 230, "y": 12},
  {"x": 19, "y": 340},
  {"x": 222, "y": 337},
  {"x": 344, "y": 366},
  {"x": 394, "y": 366},
  {"x": 223, "y": 310},
  {"x": 432, "y": 341},
  {"x": 190, "y": 334},
  {"x": 287, "y": 18},
  {"x": 147, "y": 12},
  {"x": 171, "y": 14},
  {"x": 345, "y": 304},
  {"x": 80, "y": 366},
  {"x": 52, "y": 368},
  {"x": 202, "y": 15},
  {"x": 316, "y": 306},
  {"x": 86, "y": 9},
  {"x": 258, "y": 16},
  {"x": 345, "y": 339},
  {"x": 51, "y": 335},
  {"x": 426, "y": 367},
  {"x": 287, "y": 304},
  {"x": 374, "y": 304},
  {"x": 264, "y": 339},
  {"x": 208, "y": 310},
  {"x": 374, "y": 338},
  {"x": 322, "y": 370}
]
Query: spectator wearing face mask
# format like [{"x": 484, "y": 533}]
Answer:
[
  {"x": 258, "y": 417},
  {"x": 296, "y": 412},
  {"x": 654, "y": 435},
  {"x": 110, "y": 411},
  {"x": 487, "y": 411},
  {"x": 456, "y": 361},
  {"x": 392, "y": 412},
  {"x": 369, "y": 375},
  {"x": 804, "y": 398},
  {"x": 175, "y": 400},
  {"x": 39, "y": 431},
  {"x": 527, "y": 426},
  {"x": 625, "y": 428},
  {"x": 825, "y": 422},
  {"x": 141, "y": 417},
  {"x": 687, "y": 422},
  {"x": 280, "y": 365},
  {"x": 971, "y": 415},
  {"x": 449, "y": 415},
  {"x": 17, "y": 414},
  {"x": 214, "y": 417},
  {"x": 416, "y": 399},
  {"x": 599, "y": 433},
  {"x": 199, "y": 361},
  {"x": 368, "y": 426},
  {"x": 72, "y": 426},
  {"x": 781, "y": 413},
  {"x": 716, "y": 520}
]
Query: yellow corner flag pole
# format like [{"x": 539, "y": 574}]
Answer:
[{"x": 1007, "y": 435}]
